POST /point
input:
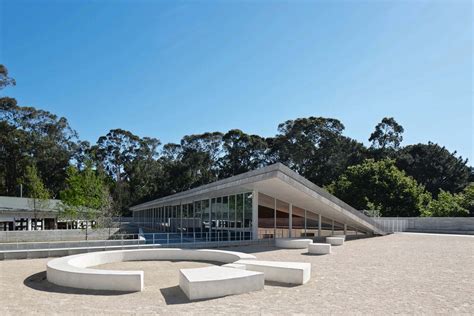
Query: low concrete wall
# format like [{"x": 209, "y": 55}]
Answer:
[
  {"x": 455, "y": 225},
  {"x": 55, "y": 235}
]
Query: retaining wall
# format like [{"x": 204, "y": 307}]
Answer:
[
  {"x": 55, "y": 235},
  {"x": 455, "y": 225}
]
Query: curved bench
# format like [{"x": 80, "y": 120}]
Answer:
[
  {"x": 292, "y": 243},
  {"x": 73, "y": 271},
  {"x": 335, "y": 241}
]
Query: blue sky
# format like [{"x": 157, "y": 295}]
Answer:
[{"x": 169, "y": 68}]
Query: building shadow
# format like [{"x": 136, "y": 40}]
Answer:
[{"x": 39, "y": 282}]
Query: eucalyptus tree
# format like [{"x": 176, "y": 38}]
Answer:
[
  {"x": 434, "y": 167},
  {"x": 242, "y": 152},
  {"x": 315, "y": 148},
  {"x": 5, "y": 80},
  {"x": 388, "y": 134},
  {"x": 32, "y": 136}
]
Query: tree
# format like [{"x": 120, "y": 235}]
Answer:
[
  {"x": 467, "y": 198},
  {"x": 387, "y": 134},
  {"x": 29, "y": 136},
  {"x": 4, "y": 79},
  {"x": 36, "y": 191},
  {"x": 242, "y": 153},
  {"x": 315, "y": 148},
  {"x": 434, "y": 167},
  {"x": 85, "y": 195},
  {"x": 124, "y": 155},
  {"x": 446, "y": 204},
  {"x": 380, "y": 185}
]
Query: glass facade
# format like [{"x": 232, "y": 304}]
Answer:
[
  {"x": 223, "y": 218},
  {"x": 230, "y": 217}
]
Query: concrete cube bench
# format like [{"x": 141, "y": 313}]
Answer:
[
  {"x": 335, "y": 241},
  {"x": 283, "y": 272},
  {"x": 211, "y": 282},
  {"x": 292, "y": 243},
  {"x": 319, "y": 249}
]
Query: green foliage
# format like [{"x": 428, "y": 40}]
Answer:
[
  {"x": 34, "y": 185},
  {"x": 434, "y": 167},
  {"x": 85, "y": 193},
  {"x": 242, "y": 153},
  {"x": 33, "y": 137},
  {"x": 315, "y": 148},
  {"x": 446, "y": 204},
  {"x": 380, "y": 184},
  {"x": 467, "y": 198},
  {"x": 4, "y": 79},
  {"x": 387, "y": 134},
  {"x": 133, "y": 169}
]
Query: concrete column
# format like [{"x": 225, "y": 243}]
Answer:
[
  {"x": 290, "y": 222},
  {"x": 210, "y": 217},
  {"x": 29, "y": 224},
  {"x": 332, "y": 230},
  {"x": 345, "y": 229},
  {"x": 181, "y": 217},
  {"x": 42, "y": 224},
  {"x": 274, "y": 217},
  {"x": 305, "y": 216},
  {"x": 255, "y": 215},
  {"x": 319, "y": 225}
]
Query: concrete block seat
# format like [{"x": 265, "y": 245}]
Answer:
[
  {"x": 284, "y": 272},
  {"x": 319, "y": 248},
  {"x": 292, "y": 243},
  {"x": 74, "y": 271},
  {"x": 335, "y": 241},
  {"x": 214, "y": 281}
]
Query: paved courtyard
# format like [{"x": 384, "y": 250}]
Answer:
[{"x": 401, "y": 273}]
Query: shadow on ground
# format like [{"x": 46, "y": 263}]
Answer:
[{"x": 39, "y": 282}]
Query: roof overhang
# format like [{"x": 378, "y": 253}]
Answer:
[{"x": 280, "y": 182}]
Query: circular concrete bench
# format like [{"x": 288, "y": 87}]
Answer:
[
  {"x": 340, "y": 236},
  {"x": 319, "y": 249},
  {"x": 292, "y": 243},
  {"x": 74, "y": 271},
  {"x": 335, "y": 241}
]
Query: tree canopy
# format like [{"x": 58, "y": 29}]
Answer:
[
  {"x": 381, "y": 185},
  {"x": 386, "y": 176}
]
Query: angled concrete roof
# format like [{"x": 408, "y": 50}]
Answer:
[
  {"x": 13, "y": 204},
  {"x": 280, "y": 182}
]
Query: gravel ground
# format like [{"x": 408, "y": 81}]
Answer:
[{"x": 395, "y": 274}]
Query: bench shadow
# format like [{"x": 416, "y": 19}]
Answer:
[
  {"x": 39, "y": 282},
  {"x": 314, "y": 254},
  {"x": 173, "y": 295}
]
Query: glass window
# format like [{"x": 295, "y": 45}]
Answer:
[
  {"x": 205, "y": 216},
  {"x": 239, "y": 212},
  {"x": 297, "y": 222}
]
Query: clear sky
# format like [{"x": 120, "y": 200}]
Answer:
[{"x": 169, "y": 68}]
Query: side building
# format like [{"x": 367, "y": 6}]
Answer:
[
  {"x": 271, "y": 202},
  {"x": 18, "y": 213}
]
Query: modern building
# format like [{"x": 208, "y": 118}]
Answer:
[
  {"x": 18, "y": 213},
  {"x": 271, "y": 202}
]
